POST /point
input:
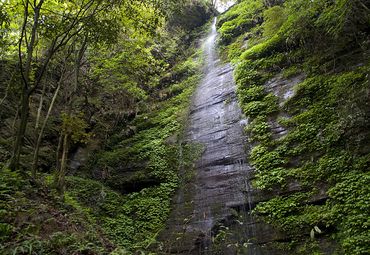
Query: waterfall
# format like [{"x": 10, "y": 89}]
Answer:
[
  {"x": 221, "y": 186},
  {"x": 210, "y": 48}
]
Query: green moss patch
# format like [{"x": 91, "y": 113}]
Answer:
[{"x": 318, "y": 169}]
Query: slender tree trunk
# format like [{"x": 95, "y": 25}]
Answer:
[
  {"x": 26, "y": 73},
  {"x": 39, "y": 110},
  {"x": 15, "y": 120},
  {"x": 63, "y": 165},
  {"x": 30, "y": 40},
  {"x": 60, "y": 175},
  {"x": 39, "y": 139},
  {"x": 57, "y": 164},
  {"x": 19, "y": 139}
]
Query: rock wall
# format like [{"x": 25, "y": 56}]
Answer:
[{"x": 211, "y": 212}]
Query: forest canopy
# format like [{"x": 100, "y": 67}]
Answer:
[
  {"x": 83, "y": 76},
  {"x": 55, "y": 52}
]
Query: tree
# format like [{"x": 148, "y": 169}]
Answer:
[
  {"x": 53, "y": 24},
  {"x": 46, "y": 28},
  {"x": 40, "y": 132}
]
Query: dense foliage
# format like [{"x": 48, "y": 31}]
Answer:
[
  {"x": 111, "y": 79},
  {"x": 319, "y": 165},
  {"x": 94, "y": 97}
]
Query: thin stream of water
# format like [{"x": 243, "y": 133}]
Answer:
[
  {"x": 221, "y": 182},
  {"x": 222, "y": 177}
]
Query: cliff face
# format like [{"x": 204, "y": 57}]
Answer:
[
  {"x": 301, "y": 73},
  {"x": 213, "y": 208}
]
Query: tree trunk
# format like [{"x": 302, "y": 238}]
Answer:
[
  {"x": 60, "y": 175},
  {"x": 39, "y": 109},
  {"x": 60, "y": 185},
  {"x": 39, "y": 139},
  {"x": 15, "y": 121},
  {"x": 19, "y": 139},
  {"x": 25, "y": 97},
  {"x": 60, "y": 140}
]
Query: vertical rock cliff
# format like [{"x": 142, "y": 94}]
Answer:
[{"x": 211, "y": 213}]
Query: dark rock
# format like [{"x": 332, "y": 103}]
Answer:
[{"x": 220, "y": 195}]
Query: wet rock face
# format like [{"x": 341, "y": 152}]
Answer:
[
  {"x": 219, "y": 184},
  {"x": 283, "y": 89},
  {"x": 215, "y": 123},
  {"x": 219, "y": 196}
]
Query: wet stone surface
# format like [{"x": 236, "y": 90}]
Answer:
[
  {"x": 283, "y": 89},
  {"x": 219, "y": 195}
]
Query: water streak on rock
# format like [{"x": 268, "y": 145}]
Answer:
[
  {"x": 219, "y": 196},
  {"x": 215, "y": 122}
]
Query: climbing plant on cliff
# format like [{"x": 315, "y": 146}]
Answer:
[{"x": 317, "y": 168}]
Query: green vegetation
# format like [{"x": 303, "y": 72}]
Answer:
[
  {"x": 325, "y": 152},
  {"x": 239, "y": 18},
  {"x": 154, "y": 154},
  {"x": 112, "y": 79},
  {"x": 35, "y": 221}
]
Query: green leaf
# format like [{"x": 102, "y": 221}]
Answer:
[
  {"x": 317, "y": 229},
  {"x": 312, "y": 234}
]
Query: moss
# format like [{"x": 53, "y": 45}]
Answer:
[
  {"x": 264, "y": 49},
  {"x": 252, "y": 93},
  {"x": 33, "y": 220},
  {"x": 264, "y": 107},
  {"x": 259, "y": 131},
  {"x": 274, "y": 18},
  {"x": 145, "y": 168},
  {"x": 234, "y": 50},
  {"x": 239, "y": 18},
  {"x": 129, "y": 221},
  {"x": 292, "y": 71},
  {"x": 323, "y": 154},
  {"x": 317, "y": 137}
]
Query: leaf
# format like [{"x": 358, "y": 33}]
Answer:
[
  {"x": 312, "y": 234},
  {"x": 317, "y": 229}
]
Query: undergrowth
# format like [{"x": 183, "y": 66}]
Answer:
[
  {"x": 325, "y": 152},
  {"x": 120, "y": 202},
  {"x": 35, "y": 221},
  {"x": 143, "y": 168}
]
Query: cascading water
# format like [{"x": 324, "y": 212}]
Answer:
[{"x": 212, "y": 213}]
